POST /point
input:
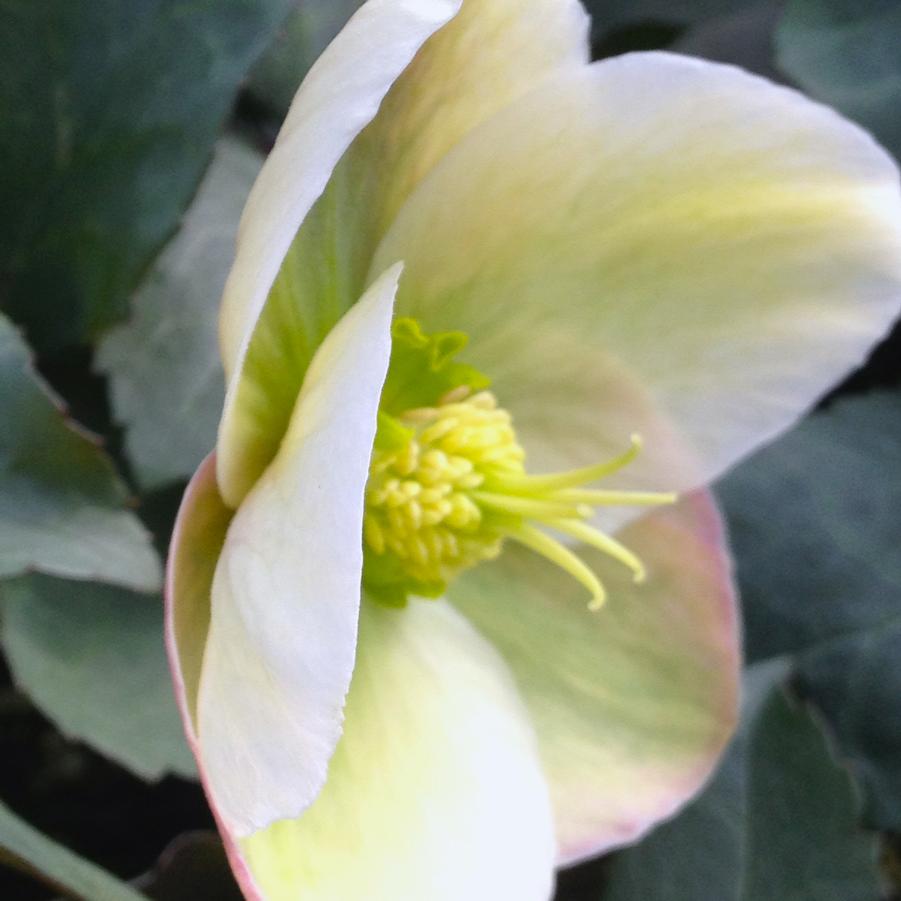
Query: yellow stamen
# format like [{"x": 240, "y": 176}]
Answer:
[
  {"x": 575, "y": 477},
  {"x": 595, "y": 538},
  {"x": 551, "y": 549},
  {"x": 451, "y": 494},
  {"x": 599, "y": 498},
  {"x": 527, "y": 507}
]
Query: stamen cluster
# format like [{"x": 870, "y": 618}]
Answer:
[
  {"x": 446, "y": 495},
  {"x": 419, "y": 503}
]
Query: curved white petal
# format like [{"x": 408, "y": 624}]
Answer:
[
  {"x": 280, "y": 649},
  {"x": 197, "y": 541},
  {"x": 490, "y": 54},
  {"x": 442, "y": 94},
  {"x": 725, "y": 243},
  {"x": 339, "y": 97},
  {"x": 633, "y": 703},
  {"x": 435, "y": 790}
]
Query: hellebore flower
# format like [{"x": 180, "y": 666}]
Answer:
[{"x": 651, "y": 245}]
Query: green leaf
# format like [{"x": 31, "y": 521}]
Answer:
[
  {"x": 777, "y": 821},
  {"x": 742, "y": 37},
  {"x": 618, "y": 13},
  {"x": 845, "y": 52},
  {"x": 307, "y": 32},
  {"x": 108, "y": 114},
  {"x": 814, "y": 526},
  {"x": 813, "y": 520},
  {"x": 163, "y": 365},
  {"x": 92, "y": 658},
  {"x": 26, "y": 848},
  {"x": 62, "y": 506},
  {"x": 856, "y": 684}
]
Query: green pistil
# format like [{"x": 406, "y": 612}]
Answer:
[
  {"x": 535, "y": 507},
  {"x": 562, "y": 556}
]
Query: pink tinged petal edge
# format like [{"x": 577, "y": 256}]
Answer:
[
  {"x": 280, "y": 650},
  {"x": 200, "y": 491},
  {"x": 710, "y": 533},
  {"x": 633, "y": 704},
  {"x": 707, "y": 525}
]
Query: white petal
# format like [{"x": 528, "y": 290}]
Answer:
[
  {"x": 723, "y": 243},
  {"x": 286, "y": 591},
  {"x": 633, "y": 703},
  {"x": 435, "y": 791},
  {"x": 339, "y": 97},
  {"x": 510, "y": 45},
  {"x": 490, "y": 54},
  {"x": 197, "y": 541}
]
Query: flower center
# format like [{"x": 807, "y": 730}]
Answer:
[{"x": 448, "y": 485}]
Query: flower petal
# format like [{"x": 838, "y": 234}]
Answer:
[
  {"x": 726, "y": 243},
  {"x": 509, "y": 44},
  {"x": 338, "y": 98},
  {"x": 489, "y": 55},
  {"x": 435, "y": 790},
  {"x": 197, "y": 541},
  {"x": 279, "y": 654},
  {"x": 632, "y": 704}
]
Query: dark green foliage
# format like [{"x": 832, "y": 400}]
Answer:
[
  {"x": 814, "y": 526},
  {"x": 845, "y": 52},
  {"x": 778, "y": 821},
  {"x": 108, "y": 114}
]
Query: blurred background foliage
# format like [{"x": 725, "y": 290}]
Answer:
[{"x": 130, "y": 134}]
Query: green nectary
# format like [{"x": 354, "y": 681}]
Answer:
[{"x": 448, "y": 482}]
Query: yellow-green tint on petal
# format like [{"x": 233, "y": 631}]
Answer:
[
  {"x": 338, "y": 98},
  {"x": 725, "y": 244},
  {"x": 435, "y": 790},
  {"x": 280, "y": 651},
  {"x": 631, "y": 705},
  {"x": 492, "y": 52},
  {"x": 268, "y": 339},
  {"x": 507, "y": 44},
  {"x": 197, "y": 540}
]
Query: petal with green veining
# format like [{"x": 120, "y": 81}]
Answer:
[
  {"x": 730, "y": 246},
  {"x": 632, "y": 704},
  {"x": 506, "y": 43},
  {"x": 338, "y": 98},
  {"x": 285, "y": 595},
  {"x": 197, "y": 541},
  {"x": 435, "y": 790}
]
